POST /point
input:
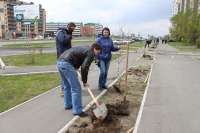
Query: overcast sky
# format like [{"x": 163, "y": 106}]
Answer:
[{"x": 135, "y": 16}]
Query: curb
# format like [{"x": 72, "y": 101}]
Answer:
[
  {"x": 2, "y": 64},
  {"x": 29, "y": 73},
  {"x": 139, "y": 116}
]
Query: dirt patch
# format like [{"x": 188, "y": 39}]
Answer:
[
  {"x": 121, "y": 114},
  {"x": 146, "y": 56}
]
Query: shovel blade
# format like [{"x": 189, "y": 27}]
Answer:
[{"x": 101, "y": 112}]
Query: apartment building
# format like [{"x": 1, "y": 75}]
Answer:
[
  {"x": 52, "y": 28},
  {"x": 183, "y": 5},
  {"x": 9, "y": 25}
]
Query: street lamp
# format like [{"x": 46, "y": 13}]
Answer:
[{"x": 1, "y": 30}]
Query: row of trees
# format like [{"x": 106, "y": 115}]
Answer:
[{"x": 186, "y": 26}]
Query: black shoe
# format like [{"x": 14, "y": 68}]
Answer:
[
  {"x": 105, "y": 87},
  {"x": 68, "y": 108},
  {"x": 82, "y": 114},
  {"x": 100, "y": 89}
]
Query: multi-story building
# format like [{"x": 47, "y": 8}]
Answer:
[
  {"x": 88, "y": 30},
  {"x": 7, "y": 21},
  {"x": 36, "y": 28},
  {"x": 52, "y": 28},
  {"x": 176, "y": 7},
  {"x": 98, "y": 27},
  {"x": 78, "y": 29},
  {"x": 8, "y": 24},
  {"x": 183, "y": 5}
]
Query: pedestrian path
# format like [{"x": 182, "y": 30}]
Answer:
[{"x": 172, "y": 102}]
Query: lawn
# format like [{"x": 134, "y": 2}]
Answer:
[
  {"x": 34, "y": 59},
  {"x": 133, "y": 46},
  {"x": 33, "y": 45},
  {"x": 30, "y": 60},
  {"x": 44, "y": 44},
  {"x": 18, "y": 89},
  {"x": 184, "y": 47},
  {"x": 115, "y": 56}
]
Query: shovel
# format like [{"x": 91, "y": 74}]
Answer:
[{"x": 101, "y": 110}]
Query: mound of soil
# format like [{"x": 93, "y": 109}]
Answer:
[
  {"x": 111, "y": 124},
  {"x": 121, "y": 114},
  {"x": 146, "y": 56}
]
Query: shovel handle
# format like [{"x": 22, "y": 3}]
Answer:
[
  {"x": 93, "y": 97},
  {"x": 91, "y": 94}
]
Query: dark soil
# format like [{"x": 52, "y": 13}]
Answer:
[
  {"x": 121, "y": 114},
  {"x": 146, "y": 56}
]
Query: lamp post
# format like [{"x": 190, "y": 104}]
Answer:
[{"x": 0, "y": 30}]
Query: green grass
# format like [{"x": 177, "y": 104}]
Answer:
[
  {"x": 133, "y": 47},
  {"x": 30, "y": 60},
  {"x": 138, "y": 44},
  {"x": 34, "y": 45},
  {"x": 198, "y": 58},
  {"x": 115, "y": 56},
  {"x": 18, "y": 89},
  {"x": 34, "y": 59},
  {"x": 184, "y": 47},
  {"x": 44, "y": 45}
]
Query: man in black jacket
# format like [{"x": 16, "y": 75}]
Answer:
[{"x": 67, "y": 64}]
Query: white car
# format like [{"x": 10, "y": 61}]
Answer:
[
  {"x": 39, "y": 38},
  {"x": 118, "y": 42},
  {"x": 50, "y": 38}
]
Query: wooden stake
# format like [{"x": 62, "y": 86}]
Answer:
[
  {"x": 130, "y": 130},
  {"x": 126, "y": 74}
]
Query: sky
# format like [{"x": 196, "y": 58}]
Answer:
[{"x": 133, "y": 16}]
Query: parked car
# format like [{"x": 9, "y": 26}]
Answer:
[
  {"x": 118, "y": 42},
  {"x": 39, "y": 38},
  {"x": 50, "y": 38}
]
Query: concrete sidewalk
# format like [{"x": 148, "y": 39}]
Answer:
[
  {"x": 27, "y": 70},
  {"x": 172, "y": 103},
  {"x": 45, "y": 114}
]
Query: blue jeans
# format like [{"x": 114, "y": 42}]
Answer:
[
  {"x": 71, "y": 86},
  {"x": 104, "y": 67}
]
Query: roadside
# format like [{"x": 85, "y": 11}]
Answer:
[
  {"x": 184, "y": 47},
  {"x": 49, "y": 106},
  {"x": 15, "y": 90},
  {"x": 121, "y": 114}
]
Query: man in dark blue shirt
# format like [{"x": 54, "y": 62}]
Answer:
[
  {"x": 63, "y": 41},
  {"x": 63, "y": 38}
]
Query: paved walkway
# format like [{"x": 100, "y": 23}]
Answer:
[
  {"x": 31, "y": 70},
  {"x": 45, "y": 114},
  {"x": 172, "y": 104}
]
